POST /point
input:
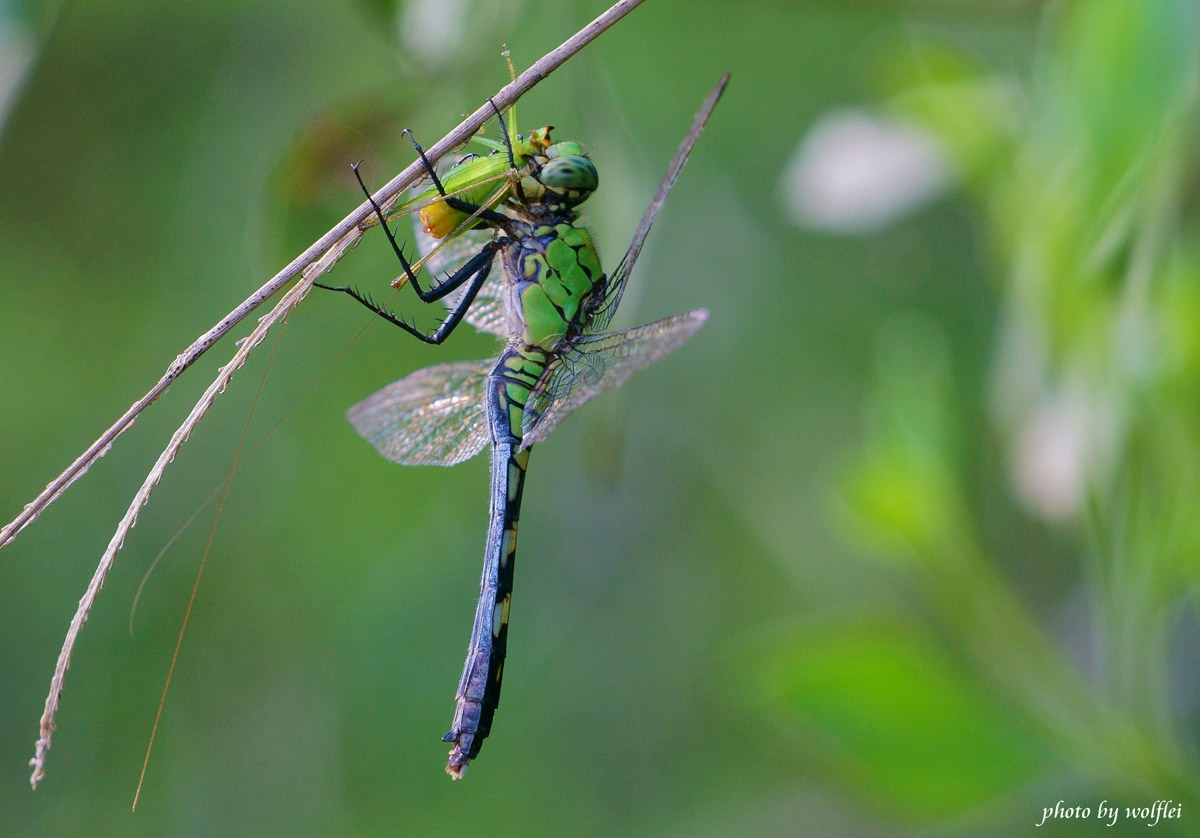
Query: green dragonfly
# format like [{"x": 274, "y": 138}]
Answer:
[{"x": 550, "y": 302}]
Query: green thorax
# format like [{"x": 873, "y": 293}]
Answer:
[{"x": 554, "y": 271}]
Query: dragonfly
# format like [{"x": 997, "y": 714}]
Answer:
[{"x": 550, "y": 302}]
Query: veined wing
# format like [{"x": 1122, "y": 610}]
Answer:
[
  {"x": 433, "y": 417},
  {"x": 441, "y": 255},
  {"x": 600, "y": 362},
  {"x": 445, "y": 257},
  {"x": 604, "y": 312}
]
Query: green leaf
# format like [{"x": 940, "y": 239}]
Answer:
[
  {"x": 903, "y": 493},
  {"x": 895, "y": 717}
]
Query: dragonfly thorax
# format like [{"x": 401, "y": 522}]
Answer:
[{"x": 552, "y": 271}]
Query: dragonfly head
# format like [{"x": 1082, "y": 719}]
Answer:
[{"x": 567, "y": 179}]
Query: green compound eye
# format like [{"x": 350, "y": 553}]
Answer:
[{"x": 572, "y": 172}]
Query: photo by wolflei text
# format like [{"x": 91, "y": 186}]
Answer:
[{"x": 892, "y": 528}]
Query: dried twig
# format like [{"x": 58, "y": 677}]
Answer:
[
  {"x": 280, "y": 311},
  {"x": 317, "y": 259}
]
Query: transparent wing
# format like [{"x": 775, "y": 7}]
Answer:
[
  {"x": 598, "y": 363},
  {"x": 442, "y": 257},
  {"x": 604, "y": 312},
  {"x": 433, "y": 417},
  {"x": 487, "y": 312}
]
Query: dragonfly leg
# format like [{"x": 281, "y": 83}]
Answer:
[
  {"x": 435, "y": 293},
  {"x": 408, "y": 271},
  {"x": 429, "y": 170},
  {"x": 512, "y": 161},
  {"x": 474, "y": 273}
]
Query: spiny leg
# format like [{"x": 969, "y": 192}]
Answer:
[
  {"x": 408, "y": 271},
  {"x": 476, "y": 271},
  {"x": 429, "y": 170},
  {"x": 512, "y": 160}
]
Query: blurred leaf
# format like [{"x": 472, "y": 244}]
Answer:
[
  {"x": 974, "y": 120},
  {"x": 899, "y": 719},
  {"x": 1123, "y": 70},
  {"x": 973, "y": 112},
  {"x": 1089, "y": 185},
  {"x": 903, "y": 490}
]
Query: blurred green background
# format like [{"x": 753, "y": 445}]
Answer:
[{"x": 904, "y": 542}]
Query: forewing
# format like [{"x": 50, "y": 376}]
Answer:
[
  {"x": 598, "y": 363},
  {"x": 433, "y": 417},
  {"x": 487, "y": 312},
  {"x": 616, "y": 281}
]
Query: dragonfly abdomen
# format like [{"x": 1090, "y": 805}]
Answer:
[{"x": 509, "y": 384}]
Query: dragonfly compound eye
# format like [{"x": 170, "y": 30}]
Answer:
[{"x": 574, "y": 177}]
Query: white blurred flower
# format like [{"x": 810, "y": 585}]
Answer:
[
  {"x": 1065, "y": 439},
  {"x": 1063, "y": 430},
  {"x": 16, "y": 54},
  {"x": 432, "y": 30},
  {"x": 856, "y": 172}
]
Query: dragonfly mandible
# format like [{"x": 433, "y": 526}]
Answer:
[{"x": 550, "y": 302}]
